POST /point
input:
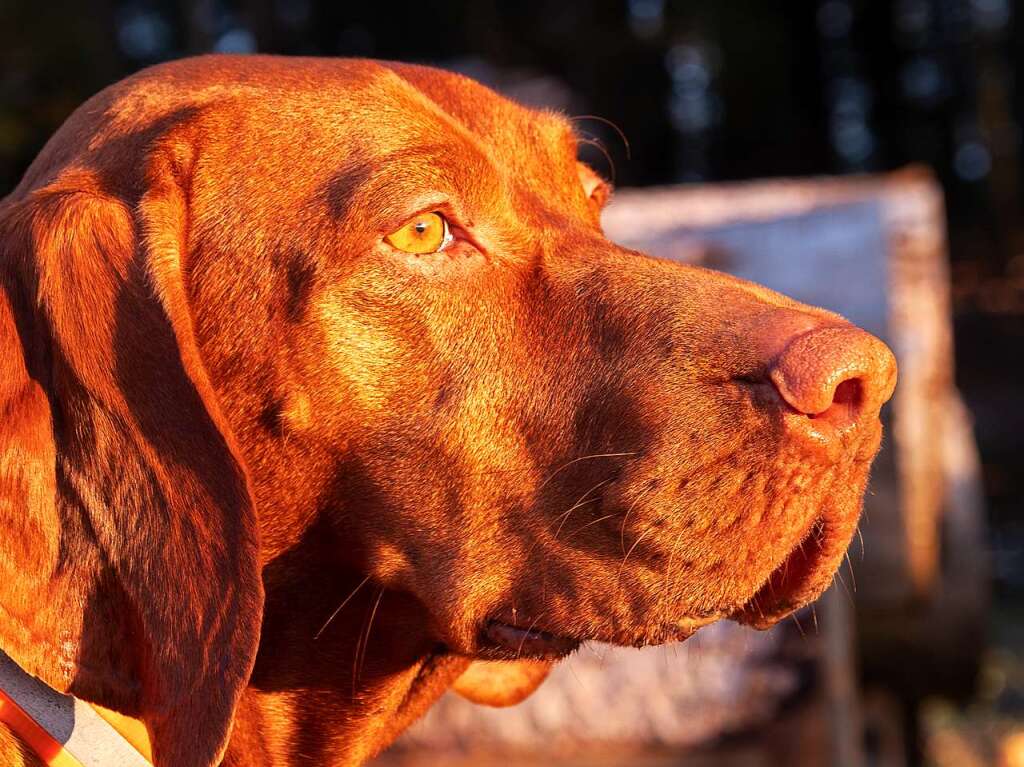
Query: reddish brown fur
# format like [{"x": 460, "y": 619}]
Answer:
[{"x": 212, "y": 367}]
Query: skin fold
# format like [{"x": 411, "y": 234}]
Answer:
[{"x": 272, "y": 485}]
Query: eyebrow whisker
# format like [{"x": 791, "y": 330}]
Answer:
[
  {"x": 610, "y": 124},
  {"x": 588, "y": 141}
]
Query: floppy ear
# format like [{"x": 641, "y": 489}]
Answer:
[{"x": 129, "y": 571}]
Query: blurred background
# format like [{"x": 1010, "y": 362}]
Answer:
[{"x": 694, "y": 94}]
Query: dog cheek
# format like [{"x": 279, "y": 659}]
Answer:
[
  {"x": 392, "y": 564},
  {"x": 296, "y": 411},
  {"x": 358, "y": 357}
]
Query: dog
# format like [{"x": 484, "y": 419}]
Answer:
[{"x": 323, "y": 392}]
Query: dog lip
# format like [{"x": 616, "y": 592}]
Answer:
[
  {"x": 781, "y": 592},
  {"x": 689, "y": 626},
  {"x": 531, "y": 642},
  {"x": 506, "y": 641}
]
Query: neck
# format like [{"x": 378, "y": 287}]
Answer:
[{"x": 335, "y": 690}]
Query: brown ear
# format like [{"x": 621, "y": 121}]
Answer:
[{"x": 129, "y": 570}]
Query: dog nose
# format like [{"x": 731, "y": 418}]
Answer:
[{"x": 837, "y": 374}]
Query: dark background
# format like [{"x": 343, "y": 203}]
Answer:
[{"x": 704, "y": 90}]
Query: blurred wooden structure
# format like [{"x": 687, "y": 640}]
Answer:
[{"x": 907, "y": 620}]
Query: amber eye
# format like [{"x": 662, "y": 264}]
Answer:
[{"x": 426, "y": 233}]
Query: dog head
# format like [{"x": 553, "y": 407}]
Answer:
[{"x": 247, "y": 297}]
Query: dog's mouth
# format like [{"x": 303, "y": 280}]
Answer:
[
  {"x": 503, "y": 641},
  {"x": 793, "y": 583},
  {"x": 796, "y": 581}
]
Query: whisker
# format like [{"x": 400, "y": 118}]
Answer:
[
  {"x": 363, "y": 644},
  {"x": 610, "y": 124},
  {"x": 588, "y": 524},
  {"x": 339, "y": 607},
  {"x": 564, "y": 517},
  {"x": 524, "y": 469},
  {"x": 849, "y": 565},
  {"x": 839, "y": 576},
  {"x": 635, "y": 544},
  {"x": 799, "y": 628},
  {"x": 580, "y": 502},
  {"x": 565, "y": 466},
  {"x": 622, "y": 527},
  {"x": 519, "y": 650},
  {"x": 588, "y": 141}
]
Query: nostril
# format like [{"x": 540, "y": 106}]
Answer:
[
  {"x": 846, "y": 404},
  {"x": 849, "y": 393}
]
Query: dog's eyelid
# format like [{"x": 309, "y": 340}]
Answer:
[
  {"x": 441, "y": 205},
  {"x": 400, "y": 216}
]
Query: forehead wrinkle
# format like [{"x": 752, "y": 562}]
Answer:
[
  {"x": 512, "y": 135},
  {"x": 394, "y": 181},
  {"x": 497, "y": 120},
  {"x": 423, "y": 149},
  {"x": 541, "y": 135},
  {"x": 494, "y": 173}
]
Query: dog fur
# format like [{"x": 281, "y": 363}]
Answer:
[{"x": 265, "y": 481}]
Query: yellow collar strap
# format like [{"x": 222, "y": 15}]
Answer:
[{"x": 65, "y": 731}]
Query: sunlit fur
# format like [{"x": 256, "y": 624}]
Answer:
[{"x": 213, "y": 365}]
